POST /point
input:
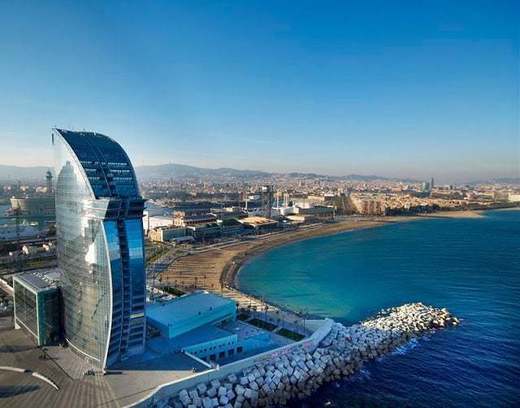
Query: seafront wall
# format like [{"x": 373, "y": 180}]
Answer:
[
  {"x": 162, "y": 394},
  {"x": 296, "y": 371}
]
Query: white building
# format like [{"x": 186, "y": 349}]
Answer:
[
  {"x": 153, "y": 221},
  {"x": 514, "y": 198}
]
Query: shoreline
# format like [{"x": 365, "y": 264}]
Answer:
[
  {"x": 218, "y": 268},
  {"x": 243, "y": 380},
  {"x": 232, "y": 270},
  {"x": 455, "y": 214}
]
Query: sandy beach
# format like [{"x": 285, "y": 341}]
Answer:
[
  {"x": 217, "y": 268},
  {"x": 455, "y": 214}
]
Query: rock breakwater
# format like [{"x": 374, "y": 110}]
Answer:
[{"x": 300, "y": 372}]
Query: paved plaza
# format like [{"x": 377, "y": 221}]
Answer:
[{"x": 121, "y": 386}]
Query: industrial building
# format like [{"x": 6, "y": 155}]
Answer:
[
  {"x": 204, "y": 232},
  {"x": 192, "y": 213},
  {"x": 228, "y": 213},
  {"x": 231, "y": 227}
]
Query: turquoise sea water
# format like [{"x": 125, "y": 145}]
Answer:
[{"x": 470, "y": 266}]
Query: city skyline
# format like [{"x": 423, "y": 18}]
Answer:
[{"x": 426, "y": 90}]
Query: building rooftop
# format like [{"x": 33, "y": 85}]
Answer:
[
  {"x": 201, "y": 217},
  {"x": 257, "y": 221},
  {"x": 105, "y": 163},
  {"x": 199, "y": 335},
  {"x": 41, "y": 278},
  {"x": 185, "y": 307},
  {"x": 243, "y": 330},
  {"x": 202, "y": 334},
  {"x": 165, "y": 218}
]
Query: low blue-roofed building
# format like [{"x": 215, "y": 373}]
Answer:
[
  {"x": 208, "y": 342},
  {"x": 220, "y": 345},
  {"x": 205, "y": 325},
  {"x": 189, "y": 312}
]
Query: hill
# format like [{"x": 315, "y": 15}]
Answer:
[{"x": 18, "y": 173}]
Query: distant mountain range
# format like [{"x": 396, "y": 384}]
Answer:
[
  {"x": 172, "y": 170},
  {"x": 179, "y": 171},
  {"x": 499, "y": 180},
  {"x": 17, "y": 173}
]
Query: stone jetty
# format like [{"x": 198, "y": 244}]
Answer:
[{"x": 299, "y": 373}]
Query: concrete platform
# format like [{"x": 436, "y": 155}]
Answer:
[
  {"x": 126, "y": 383},
  {"x": 134, "y": 380}
]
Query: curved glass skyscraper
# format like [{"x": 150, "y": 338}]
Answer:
[{"x": 100, "y": 247}]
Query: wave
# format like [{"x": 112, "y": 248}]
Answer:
[
  {"x": 362, "y": 375},
  {"x": 405, "y": 348}
]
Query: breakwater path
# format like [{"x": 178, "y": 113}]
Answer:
[{"x": 299, "y": 373}]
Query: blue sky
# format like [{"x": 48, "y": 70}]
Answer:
[{"x": 404, "y": 88}]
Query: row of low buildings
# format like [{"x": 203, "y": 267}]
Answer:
[
  {"x": 200, "y": 221},
  {"x": 380, "y": 204},
  {"x": 196, "y": 221},
  {"x": 399, "y": 204}
]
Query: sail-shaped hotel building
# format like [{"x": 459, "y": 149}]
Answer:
[{"x": 100, "y": 247}]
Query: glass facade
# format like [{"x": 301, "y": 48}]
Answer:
[
  {"x": 38, "y": 311},
  {"x": 26, "y": 312},
  {"x": 49, "y": 331},
  {"x": 100, "y": 246}
]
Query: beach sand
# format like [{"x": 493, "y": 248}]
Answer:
[
  {"x": 216, "y": 268},
  {"x": 455, "y": 214}
]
